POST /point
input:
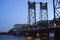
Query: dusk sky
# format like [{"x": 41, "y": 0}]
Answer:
[{"x": 16, "y": 12}]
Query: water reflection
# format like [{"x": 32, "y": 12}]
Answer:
[
  {"x": 32, "y": 38},
  {"x": 29, "y": 38},
  {"x": 10, "y": 37},
  {"x": 37, "y": 38}
]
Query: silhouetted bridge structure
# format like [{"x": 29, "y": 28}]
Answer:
[
  {"x": 46, "y": 29},
  {"x": 42, "y": 33}
]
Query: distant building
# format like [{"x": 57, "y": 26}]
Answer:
[{"x": 20, "y": 27}]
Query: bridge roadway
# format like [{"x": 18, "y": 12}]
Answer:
[
  {"x": 42, "y": 30},
  {"x": 41, "y": 33}
]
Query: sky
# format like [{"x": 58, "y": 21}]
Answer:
[{"x": 16, "y": 12}]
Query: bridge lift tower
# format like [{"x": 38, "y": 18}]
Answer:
[
  {"x": 56, "y": 6},
  {"x": 44, "y": 14},
  {"x": 31, "y": 13}
]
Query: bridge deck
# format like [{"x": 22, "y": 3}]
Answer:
[{"x": 43, "y": 30}]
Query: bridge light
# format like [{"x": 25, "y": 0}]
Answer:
[
  {"x": 37, "y": 34},
  {"x": 54, "y": 25},
  {"x": 14, "y": 30}
]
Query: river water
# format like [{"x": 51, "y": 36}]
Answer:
[{"x": 11, "y": 37}]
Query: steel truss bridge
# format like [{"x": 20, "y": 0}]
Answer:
[{"x": 45, "y": 29}]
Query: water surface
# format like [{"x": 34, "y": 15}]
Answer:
[{"x": 11, "y": 37}]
